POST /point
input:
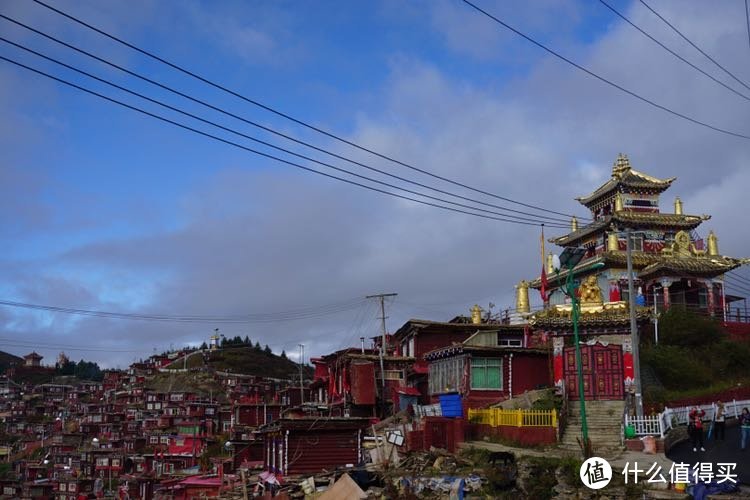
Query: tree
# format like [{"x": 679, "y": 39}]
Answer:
[
  {"x": 88, "y": 370},
  {"x": 267, "y": 350},
  {"x": 680, "y": 327},
  {"x": 67, "y": 368},
  {"x": 204, "y": 346},
  {"x": 283, "y": 354},
  {"x": 247, "y": 341},
  {"x": 257, "y": 346}
]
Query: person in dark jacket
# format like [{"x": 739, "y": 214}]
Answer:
[
  {"x": 719, "y": 421},
  {"x": 744, "y": 428},
  {"x": 695, "y": 427}
]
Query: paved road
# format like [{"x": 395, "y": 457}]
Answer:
[{"x": 716, "y": 451}]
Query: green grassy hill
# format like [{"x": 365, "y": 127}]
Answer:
[{"x": 247, "y": 361}]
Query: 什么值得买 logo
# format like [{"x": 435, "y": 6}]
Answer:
[{"x": 596, "y": 473}]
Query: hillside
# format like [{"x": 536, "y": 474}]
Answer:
[
  {"x": 247, "y": 361},
  {"x": 201, "y": 383},
  {"x": 6, "y": 359}
]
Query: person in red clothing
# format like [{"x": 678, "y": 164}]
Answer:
[{"x": 695, "y": 427}]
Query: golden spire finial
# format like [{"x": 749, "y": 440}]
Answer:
[
  {"x": 621, "y": 165},
  {"x": 678, "y": 206},
  {"x": 618, "y": 202},
  {"x": 713, "y": 244},
  {"x": 476, "y": 314},
  {"x": 574, "y": 224},
  {"x": 550, "y": 265},
  {"x": 522, "y": 297}
]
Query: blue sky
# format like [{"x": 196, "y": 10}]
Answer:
[{"x": 106, "y": 209}]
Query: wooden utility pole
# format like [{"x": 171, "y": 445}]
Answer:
[
  {"x": 383, "y": 346},
  {"x": 301, "y": 383}
]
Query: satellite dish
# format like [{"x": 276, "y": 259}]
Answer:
[{"x": 556, "y": 262}]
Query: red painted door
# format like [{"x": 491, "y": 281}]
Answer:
[{"x": 602, "y": 372}]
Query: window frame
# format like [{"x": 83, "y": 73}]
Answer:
[{"x": 482, "y": 363}]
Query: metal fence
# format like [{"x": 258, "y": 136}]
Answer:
[
  {"x": 496, "y": 417},
  {"x": 672, "y": 417}
]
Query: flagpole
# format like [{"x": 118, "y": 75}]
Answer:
[{"x": 542, "y": 241}]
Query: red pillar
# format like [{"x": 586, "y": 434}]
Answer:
[
  {"x": 711, "y": 298},
  {"x": 665, "y": 292}
]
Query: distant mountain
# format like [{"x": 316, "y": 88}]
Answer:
[{"x": 7, "y": 359}]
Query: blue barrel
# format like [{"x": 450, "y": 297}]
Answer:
[{"x": 450, "y": 404}]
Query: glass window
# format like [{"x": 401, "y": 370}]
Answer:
[
  {"x": 486, "y": 373},
  {"x": 445, "y": 375}
]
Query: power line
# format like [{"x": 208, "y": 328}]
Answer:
[
  {"x": 737, "y": 284},
  {"x": 601, "y": 78},
  {"x": 232, "y": 131},
  {"x": 737, "y": 275},
  {"x": 737, "y": 287},
  {"x": 244, "y": 120},
  {"x": 287, "y": 116},
  {"x": 674, "y": 28},
  {"x": 269, "y": 156},
  {"x": 747, "y": 21},
  {"x": 10, "y": 342},
  {"x": 292, "y": 315},
  {"x": 675, "y": 54}
]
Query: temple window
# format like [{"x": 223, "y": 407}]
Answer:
[{"x": 486, "y": 373}]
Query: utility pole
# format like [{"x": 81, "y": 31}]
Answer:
[
  {"x": 301, "y": 383},
  {"x": 634, "y": 328},
  {"x": 383, "y": 346}
]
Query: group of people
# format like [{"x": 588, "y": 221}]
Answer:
[{"x": 718, "y": 426}]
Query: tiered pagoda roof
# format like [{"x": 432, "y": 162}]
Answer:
[
  {"x": 635, "y": 220},
  {"x": 625, "y": 179}
]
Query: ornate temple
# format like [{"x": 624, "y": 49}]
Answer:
[
  {"x": 671, "y": 262},
  {"x": 672, "y": 265}
]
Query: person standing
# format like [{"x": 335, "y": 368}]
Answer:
[
  {"x": 719, "y": 421},
  {"x": 744, "y": 428},
  {"x": 695, "y": 427}
]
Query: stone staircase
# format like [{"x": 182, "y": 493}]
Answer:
[{"x": 604, "y": 420}]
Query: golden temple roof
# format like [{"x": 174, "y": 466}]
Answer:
[
  {"x": 650, "y": 264},
  {"x": 624, "y": 175},
  {"x": 633, "y": 220},
  {"x": 553, "y": 318}
]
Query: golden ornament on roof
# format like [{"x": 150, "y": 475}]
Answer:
[
  {"x": 678, "y": 206},
  {"x": 713, "y": 244},
  {"x": 522, "y": 297},
  {"x": 476, "y": 314}
]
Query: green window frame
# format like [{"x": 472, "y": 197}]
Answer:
[{"x": 487, "y": 373}]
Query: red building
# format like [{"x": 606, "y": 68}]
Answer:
[
  {"x": 310, "y": 445},
  {"x": 488, "y": 367}
]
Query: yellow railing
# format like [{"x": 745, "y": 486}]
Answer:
[{"x": 496, "y": 417}]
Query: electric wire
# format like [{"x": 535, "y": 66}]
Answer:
[
  {"x": 737, "y": 284},
  {"x": 747, "y": 21},
  {"x": 737, "y": 275},
  {"x": 240, "y": 134},
  {"x": 287, "y": 116},
  {"x": 675, "y": 54},
  {"x": 266, "y": 155},
  {"x": 292, "y": 315},
  {"x": 695, "y": 46},
  {"x": 247, "y": 121},
  {"x": 601, "y": 78}
]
